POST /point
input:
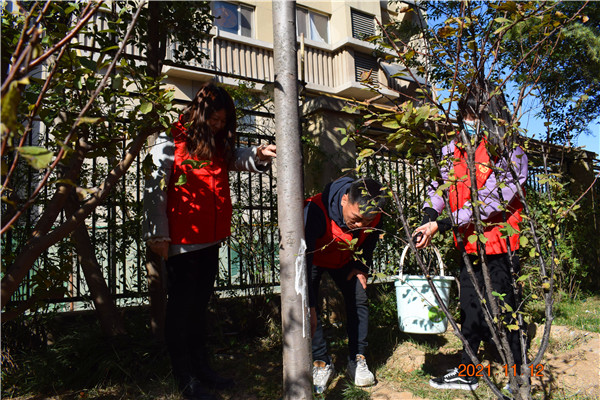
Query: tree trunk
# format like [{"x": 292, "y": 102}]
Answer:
[
  {"x": 154, "y": 59},
  {"x": 157, "y": 294},
  {"x": 111, "y": 322},
  {"x": 297, "y": 378}
]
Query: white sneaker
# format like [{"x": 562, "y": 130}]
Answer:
[
  {"x": 322, "y": 373},
  {"x": 359, "y": 372}
]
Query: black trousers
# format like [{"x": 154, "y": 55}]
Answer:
[
  {"x": 474, "y": 326},
  {"x": 357, "y": 311},
  {"x": 191, "y": 279}
]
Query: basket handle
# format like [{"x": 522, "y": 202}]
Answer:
[{"x": 437, "y": 255}]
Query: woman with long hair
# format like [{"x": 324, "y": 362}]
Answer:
[{"x": 188, "y": 215}]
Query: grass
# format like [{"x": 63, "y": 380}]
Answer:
[
  {"x": 579, "y": 313},
  {"x": 582, "y": 314}
]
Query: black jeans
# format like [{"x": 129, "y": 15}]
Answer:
[
  {"x": 191, "y": 279},
  {"x": 357, "y": 311},
  {"x": 474, "y": 326}
]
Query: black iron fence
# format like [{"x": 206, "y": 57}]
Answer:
[{"x": 249, "y": 259}]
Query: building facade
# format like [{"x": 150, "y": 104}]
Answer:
[{"x": 336, "y": 64}]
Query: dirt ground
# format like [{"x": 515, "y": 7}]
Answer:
[{"x": 571, "y": 364}]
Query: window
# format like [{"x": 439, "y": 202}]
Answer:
[
  {"x": 233, "y": 18},
  {"x": 315, "y": 26},
  {"x": 363, "y": 25}
]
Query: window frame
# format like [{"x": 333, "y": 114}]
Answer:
[{"x": 308, "y": 12}]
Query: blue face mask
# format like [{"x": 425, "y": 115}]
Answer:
[{"x": 470, "y": 128}]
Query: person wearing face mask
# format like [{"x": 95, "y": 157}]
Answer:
[
  {"x": 188, "y": 215},
  {"x": 495, "y": 185},
  {"x": 345, "y": 211}
]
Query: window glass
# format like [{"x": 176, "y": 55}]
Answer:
[
  {"x": 315, "y": 26},
  {"x": 226, "y": 16},
  {"x": 301, "y": 17},
  {"x": 318, "y": 27},
  {"x": 246, "y": 21},
  {"x": 233, "y": 18}
]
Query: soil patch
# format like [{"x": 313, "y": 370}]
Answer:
[{"x": 571, "y": 364}]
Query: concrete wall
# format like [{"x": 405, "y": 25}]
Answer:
[{"x": 325, "y": 159}]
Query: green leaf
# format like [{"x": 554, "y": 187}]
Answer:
[
  {"x": 350, "y": 109},
  {"x": 88, "y": 63},
  {"x": 422, "y": 114},
  {"x": 37, "y": 157},
  {"x": 117, "y": 82},
  {"x": 523, "y": 241},
  {"x": 513, "y": 327},
  {"x": 182, "y": 180},
  {"x": 391, "y": 124},
  {"x": 109, "y": 48},
  {"x": 435, "y": 314},
  {"x": 10, "y": 104},
  {"x": 483, "y": 239},
  {"x": 366, "y": 153},
  {"x": 532, "y": 252},
  {"x": 69, "y": 10},
  {"x": 472, "y": 238},
  {"x": 146, "y": 107}
]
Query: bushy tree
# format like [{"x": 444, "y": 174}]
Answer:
[{"x": 568, "y": 84}]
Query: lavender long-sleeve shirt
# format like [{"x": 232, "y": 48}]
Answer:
[{"x": 488, "y": 195}]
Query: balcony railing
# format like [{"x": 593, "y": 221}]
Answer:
[{"x": 334, "y": 69}]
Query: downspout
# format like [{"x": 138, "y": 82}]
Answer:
[{"x": 213, "y": 55}]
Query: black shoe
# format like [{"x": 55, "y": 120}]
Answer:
[
  {"x": 212, "y": 379},
  {"x": 453, "y": 381},
  {"x": 194, "y": 390}
]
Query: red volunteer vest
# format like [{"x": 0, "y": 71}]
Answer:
[
  {"x": 331, "y": 249},
  {"x": 460, "y": 193},
  {"x": 199, "y": 211}
]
